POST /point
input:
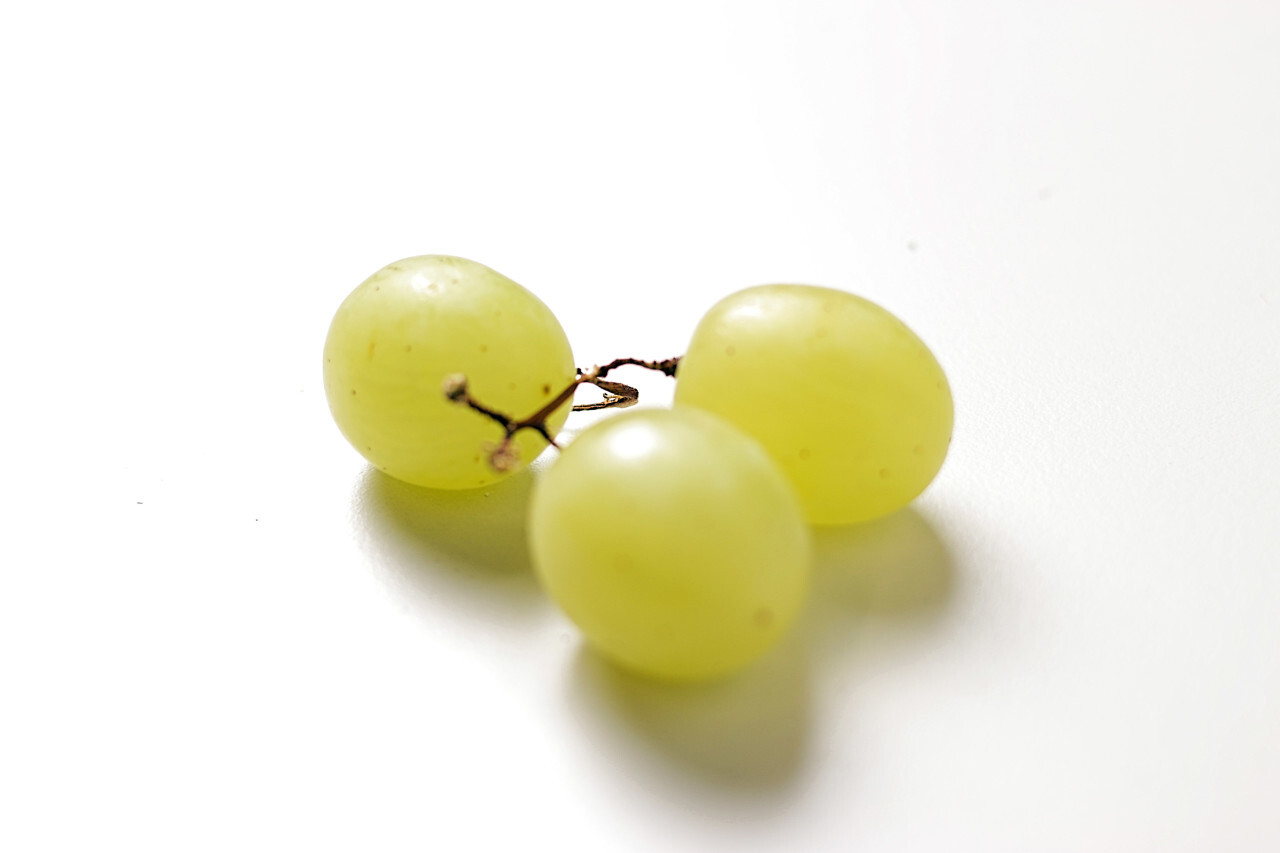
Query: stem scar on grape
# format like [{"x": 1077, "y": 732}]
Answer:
[{"x": 503, "y": 456}]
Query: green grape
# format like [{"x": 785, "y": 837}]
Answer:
[
  {"x": 417, "y": 321},
  {"x": 672, "y": 541},
  {"x": 845, "y": 398}
]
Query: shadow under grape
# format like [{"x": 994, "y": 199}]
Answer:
[
  {"x": 879, "y": 588},
  {"x": 746, "y": 733},
  {"x": 465, "y": 550}
]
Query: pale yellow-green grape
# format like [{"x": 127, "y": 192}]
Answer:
[
  {"x": 848, "y": 401},
  {"x": 417, "y": 321},
  {"x": 673, "y": 541}
]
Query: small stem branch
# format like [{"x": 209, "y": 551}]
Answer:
[
  {"x": 667, "y": 366},
  {"x": 455, "y": 389},
  {"x": 617, "y": 396},
  {"x": 503, "y": 456}
]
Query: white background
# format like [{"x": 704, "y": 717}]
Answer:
[{"x": 220, "y": 631}]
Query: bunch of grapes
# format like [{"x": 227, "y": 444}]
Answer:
[{"x": 676, "y": 539}]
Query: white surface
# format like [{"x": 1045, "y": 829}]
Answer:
[{"x": 219, "y": 631}]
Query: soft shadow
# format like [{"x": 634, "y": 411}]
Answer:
[
  {"x": 466, "y": 546},
  {"x": 891, "y": 575},
  {"x": 747, "y": 732},
  {"x": 897, "y": 567}
]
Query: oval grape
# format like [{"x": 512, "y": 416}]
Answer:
[
  {"x": 847, "y": 400},
  {"x": 673, "y": 541},
  {"x": 415, "y": 322}
]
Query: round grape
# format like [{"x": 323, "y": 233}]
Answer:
[
  {"x": 413, "y": 323},
  {"x": 673, "y": 541},
  {"x": 846, "y": 399}
]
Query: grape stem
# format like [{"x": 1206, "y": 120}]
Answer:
[{"x": 617, "y": 395}]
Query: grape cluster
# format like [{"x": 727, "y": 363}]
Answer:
[{"x": 676, "y": 539}]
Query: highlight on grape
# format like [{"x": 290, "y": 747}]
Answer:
[{"x": 677, "y": 540}]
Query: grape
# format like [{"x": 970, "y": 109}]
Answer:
[
  {"x": 672, "y": 541},
  {"x": 844, "y": 397},
  {"x": 415, "y": 322}
]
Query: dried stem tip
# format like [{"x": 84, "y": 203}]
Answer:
[{"x": 455, "y": 387}]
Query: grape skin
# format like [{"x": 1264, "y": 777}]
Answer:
[
  {"x": 403, "y": 330},
  {"x": 672, "y": 541},
  {"x": 847, "y": 400}
]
